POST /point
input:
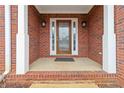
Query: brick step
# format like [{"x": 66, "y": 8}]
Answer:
[
  {"x": 63, "y": 81},
  {"x": 73, "y": 83},
  {"x": 62, "y": 76},
  {"x": 64, "y": 84},
  {"x": 28, "y": 83}
]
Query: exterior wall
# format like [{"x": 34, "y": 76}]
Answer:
[
  {"x": 45, "y": 34},
  {"x": 2, "y": 39},
  {"x": 119, "y": 29},
  {"x": 34, "y": 30},
  {"x": 95, "y": 32}
]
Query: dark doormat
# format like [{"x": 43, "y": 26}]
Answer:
[{"x": 65, "y": 59}]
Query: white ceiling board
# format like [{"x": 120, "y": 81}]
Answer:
[{"x": 56, "y": 9}]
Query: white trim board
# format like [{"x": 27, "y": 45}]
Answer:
[
  {"x": 53, "y": 52},
  {"x": 7, "y": 38}
]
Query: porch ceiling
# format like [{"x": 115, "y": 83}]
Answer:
[{"x": 73, "y": 9}]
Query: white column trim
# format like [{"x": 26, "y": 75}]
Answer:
[
  {"x": 7, "y": 38},
  {"x": 72, "y": 20},
  {"x": 22, "y": 41},
  {"x": 109, "y": 40}
]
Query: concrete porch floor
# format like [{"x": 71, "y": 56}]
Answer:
[{"x": 80, "y": 64}]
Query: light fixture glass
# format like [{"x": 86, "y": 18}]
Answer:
[
  {"x": 84, "y": 23},
  {"x": 43, "y": 23}
]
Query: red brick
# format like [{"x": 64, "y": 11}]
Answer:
[{"x": 95, "y": 33}]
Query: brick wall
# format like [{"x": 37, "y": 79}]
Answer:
[
  {"x": 45, "y": 37},
  {"x": 34, "y": 30},
  {"x": 95, "y": 32},
  {"x": 14, "y": 28},
  {"x": 2, "y": 39},
  {"x": 119, "y": 29}
]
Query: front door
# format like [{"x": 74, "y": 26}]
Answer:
[{"x": 63, "y": 36}]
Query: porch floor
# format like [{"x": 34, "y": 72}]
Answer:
[{"x": 80, "y": 64}]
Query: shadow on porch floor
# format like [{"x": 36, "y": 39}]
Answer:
[{"x": 80, "y": 64}]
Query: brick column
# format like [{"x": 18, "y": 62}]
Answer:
[
  {"x": 22, "y": 41},
  {"x": 109, "y": 40}
]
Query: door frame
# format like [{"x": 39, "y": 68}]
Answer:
[
  {"x": 54, "y": 52},
  {"x": 57, "y": 42}
]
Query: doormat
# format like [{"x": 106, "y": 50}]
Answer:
[{"x": 65, "y": 59}]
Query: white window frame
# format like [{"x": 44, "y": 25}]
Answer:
[{"x": 72, "y": 20}]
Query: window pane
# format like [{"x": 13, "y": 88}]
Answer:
[
  {"x": 52, "y": 24},
  {"x": 74, "y": 42},
  {"x": 74, "y": 36},
  {"x": 53, "y": 41},
  {"x": 74, "y": 25},
  {"x": 63, "y": 36},
  {"x": 53, "y": 36}
]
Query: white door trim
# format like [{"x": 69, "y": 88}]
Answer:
[{"x": 53, "y": 52}]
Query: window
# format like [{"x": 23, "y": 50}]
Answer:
[
  {"x": 74, "y": 41},
  {"x": 74, "y": 36},
  {"x": 53, "y": 36}
]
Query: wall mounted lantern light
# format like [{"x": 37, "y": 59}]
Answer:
[
  {"x": 43, "y": 23},
  {"x": 83, "y": 24}
]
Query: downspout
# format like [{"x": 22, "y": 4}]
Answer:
[{"x": 7, "y": 42}]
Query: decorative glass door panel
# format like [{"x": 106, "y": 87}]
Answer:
[{"x": 63, "y": 37}]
